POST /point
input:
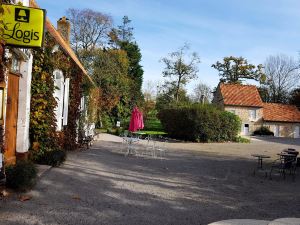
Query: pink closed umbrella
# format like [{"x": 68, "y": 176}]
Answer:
[
  {"x": 136, "y": 120},
  {"x": 141, "y": 120}
]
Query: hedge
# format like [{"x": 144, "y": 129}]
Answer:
[
  {"x": 263, "y": 131},
  {"x": 202, "y": 123},
  {"x": 21, "y": 176}
]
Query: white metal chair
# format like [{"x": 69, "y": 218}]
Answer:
[{"x": 160, "y": 148}]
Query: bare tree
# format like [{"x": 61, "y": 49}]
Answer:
[
  {"x": 282, "y": 75},
  {"x": 150, "y": 90},
  {"x": 181, "y": 66},
  {"x": 89, "y": 29},
  {"x": 202, "y": 93}
]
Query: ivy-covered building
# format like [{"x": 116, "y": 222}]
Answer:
[{"x": 43, "y": 95}]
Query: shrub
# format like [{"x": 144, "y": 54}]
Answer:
[
  {"x": 52, "y": 158},
  {"x": 263, "y": 131},
  {"x": 21, "y": 176},
  {"x": 240, "y": 139},
  {"x": 197, "y": 122}
]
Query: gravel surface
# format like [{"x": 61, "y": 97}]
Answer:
[{"x": 194, "y": 184}]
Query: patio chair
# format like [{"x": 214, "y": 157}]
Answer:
[
  {"x": 150, "y": 146},
  {"x": 284, "y": 164},
  {"x": 85, "y": 139},
  {"x": 160, "y": 147}
]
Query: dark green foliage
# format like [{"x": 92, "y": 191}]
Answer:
[
  {"x": 135, "y": 70},
  {"x": 236, "y": 69},
  {"x": 153, "y": 124},
  {"x": 263, "y": 131},
  {"x": 295, "y": 97},
  {"x": 52, "y": 158},
  {"x": 240, "y": 139},
  {"x": 197, "y": 122},
  {"x": 21, "y": 176}
]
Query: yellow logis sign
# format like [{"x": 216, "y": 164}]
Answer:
[{"x": 23, "y": 26}]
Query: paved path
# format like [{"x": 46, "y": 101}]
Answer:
[{"x": 101, "y": 186}]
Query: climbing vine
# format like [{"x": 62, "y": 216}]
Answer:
[
  {"x": 43, "y": 134},
  {"x": 70, "y": 133},
  {"x": 2, "y": 70},
  {"x": 42, "y": 117}
]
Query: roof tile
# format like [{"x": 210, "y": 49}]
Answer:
[
  {"x": 280, "y": 112},
  {"x": 240, "y": 95}
]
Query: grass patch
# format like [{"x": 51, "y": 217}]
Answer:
[
  {"x": 153, "y": 125},
  {"x": 240, "y": 139},
  {"x": 152, "y": 132}
]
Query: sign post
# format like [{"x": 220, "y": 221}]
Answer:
[{"x": 23, "y": 26}]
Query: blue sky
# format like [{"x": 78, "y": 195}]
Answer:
[{"x": 253, "y": 29}]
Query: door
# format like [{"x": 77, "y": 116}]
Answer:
[
  {"x": 246, "y": 129},
  {"x": 297, "y": 132},
  {"x": 11, "y": 119},
  {"x": 276, "y": 131}
]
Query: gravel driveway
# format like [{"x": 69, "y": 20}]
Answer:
[{"x": 194, "y": 186}]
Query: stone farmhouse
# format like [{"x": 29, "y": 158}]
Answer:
[{"x": 245, "y": 102}]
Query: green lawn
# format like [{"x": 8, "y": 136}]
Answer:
[{"x": 153, "y": 124}]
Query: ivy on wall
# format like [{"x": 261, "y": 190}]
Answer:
[
  {"x": 42, "y": 117},
  {"x": 70, "y": 131},
  {"x": 2, "y": 72},
  {"x": 43, "y": 134}
]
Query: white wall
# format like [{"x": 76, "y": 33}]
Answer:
[{"x": 24, "y": 106}]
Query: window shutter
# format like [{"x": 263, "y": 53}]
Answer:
[
  {"x": 82, "y": 104},
  {"x": 60, "y": 104},
  {"x": 59, "y": 97},
  {"x": 66, "y": 101}
]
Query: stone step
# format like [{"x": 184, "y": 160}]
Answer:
[
  {"x": 241, "y": 222},
  {"x": 285, "y": 221},
  {"x": 281, "y": 221}
]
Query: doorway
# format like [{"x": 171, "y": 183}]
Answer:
[
  {"x": 246, "y": 129},
  {"x": 277, "y": 131},
  {"x": 297, "y": 132}
]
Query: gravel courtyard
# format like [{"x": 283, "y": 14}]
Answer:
[{"x": 194, "y": 184}]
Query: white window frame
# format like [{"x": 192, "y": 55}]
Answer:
[{"x": 253, "y": 114}]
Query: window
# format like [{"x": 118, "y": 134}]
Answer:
[
  {"x": 252, "y": 114},
  {"x": 61, "y": 95}
]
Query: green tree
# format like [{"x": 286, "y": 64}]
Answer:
[
  {"x": 111, "y": 75},
  {"x": 122, "y": 38},
  {"x": 295, "y": 97},
  {"x": 236, "y": 69},
  {"x": 167, "y": 93},
  {"x": 180, "y": 67}
]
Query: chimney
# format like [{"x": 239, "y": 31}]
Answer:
[{"x": 64, "y": 28}]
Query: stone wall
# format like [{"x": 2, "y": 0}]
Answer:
[
  {"x": 244, "y": 113},
  {"x": 285, "y": 129}
]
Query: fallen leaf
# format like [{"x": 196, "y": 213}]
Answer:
[
  {"x": 4, "y": 193},
  {"x": 24, "y": 198},
  {"x": 76, "y": 197}
]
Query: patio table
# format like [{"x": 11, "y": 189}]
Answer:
[{"x": 260, "y": 159}]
